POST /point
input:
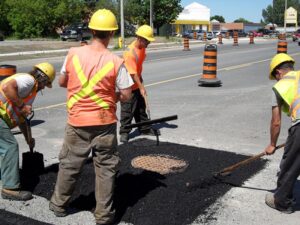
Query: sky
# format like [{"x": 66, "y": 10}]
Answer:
[{"x": 234, "y": 9}]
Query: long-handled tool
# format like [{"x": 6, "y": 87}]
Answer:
[
  {"x": 228, "y": 170},
  {"x": 147, "y": 107},
  {"x": 28, "y": 129}
]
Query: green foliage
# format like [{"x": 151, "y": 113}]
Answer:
[
  {"x": 275, "y": 13},
  {"x": 241, "y": 20},
  {"x": 36, "y": 18},
  {"x": 219, "y": 18}
]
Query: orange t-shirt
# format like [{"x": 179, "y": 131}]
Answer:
[{"x": 134, "y": 59}]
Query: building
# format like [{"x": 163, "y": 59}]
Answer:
[{"x": 193, "y": 17}]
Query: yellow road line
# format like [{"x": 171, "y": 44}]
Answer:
[{"x": 184, "y": 77}]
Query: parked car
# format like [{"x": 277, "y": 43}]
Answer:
[
  {"x": 200, "y": 35},
  {"x": 296, "y": 35},
  {"x": 188, "y": 34},
  {"x": 256, "y": 34},
  {"x": 78, "y": 32}
]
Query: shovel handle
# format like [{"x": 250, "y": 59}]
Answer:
[
  {"x": 147, "y": 106},
  {"x": 28, "y": 128},
  {"x": 246, "y": 161}
]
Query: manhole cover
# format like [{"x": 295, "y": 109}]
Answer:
[{"x": 162, "y": 164}]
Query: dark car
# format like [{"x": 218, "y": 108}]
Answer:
[{"x": 78, "y": 32}]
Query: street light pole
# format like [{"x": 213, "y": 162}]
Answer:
[
  {"x": 285, "y": 7},
  {"x": 122, "y": 23},
  {"x": 151, "y": 14}
]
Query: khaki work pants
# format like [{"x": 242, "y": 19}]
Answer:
[{"x": 78, "y": 143}]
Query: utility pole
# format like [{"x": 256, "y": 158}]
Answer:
[
  {"x": 285, "y": 7},
  {"x": 151, "y": 14},
  {"x": 122, "y": 23}
]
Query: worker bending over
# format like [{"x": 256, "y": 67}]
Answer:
[
  {"x": 17, "y": 94},
  {"x": 286, "y": 98}
]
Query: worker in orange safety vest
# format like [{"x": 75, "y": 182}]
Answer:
[
  {"x": 135, "y": 108},
  {"x": 91, "y": 74},
  {"x": 17, "y": 94}
]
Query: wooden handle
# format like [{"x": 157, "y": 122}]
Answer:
[
  {"x": 147, "y": 106},
  {"x": 246, "y": 161}
]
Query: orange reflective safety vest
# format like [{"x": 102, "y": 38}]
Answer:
[
  {"x": 134, "y": 59},
  {"x": 8, "y": 111},
  {"x": 91, "y": 86}
]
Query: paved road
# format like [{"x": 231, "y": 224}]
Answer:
[{"x": 234, "y": 117}]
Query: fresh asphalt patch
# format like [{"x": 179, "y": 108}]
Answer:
[
  {"x": 144, "y": 197},
  {"x": 9, "y": 218}
]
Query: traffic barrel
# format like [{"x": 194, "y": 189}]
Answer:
[
  {"x": 209, "y": 75},
  {"x": 83, "y": 43},
  {"x": 220, "y": 39},
  {"x": 204, "y": 36},
  {"x": 282, "y": 47},
  {"x": 251, "y": 38},
  {"x": 227, "y": 35},
  {"x": 235, "y": 39},
  {"x": 7, "y": 70},
  {"x": 282, "y": 36},
  {"x": 186, "y": 44},
  {"x": 195, "y": 35}
]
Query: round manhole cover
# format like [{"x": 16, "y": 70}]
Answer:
[{"x": 162, "y": 164}]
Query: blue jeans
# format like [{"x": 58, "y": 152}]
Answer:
[{"x": 9, "y": 158}]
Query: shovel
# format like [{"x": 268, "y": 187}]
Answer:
[
  {"x": 32, "y": 162},
  {"x": 228, "y": 170}
]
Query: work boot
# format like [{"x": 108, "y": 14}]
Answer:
[
  {"x": 270, "y": 201},
  {"x": 58, "y": 211},
  {"x": 16, "y": 194},
  {"x": 150, "y": 132},
  {"x": 124, "y": 138}
]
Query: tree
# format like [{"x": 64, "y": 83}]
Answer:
[
  {"x": 4, "y": 25},
  {"x": 275, "y": 13},
  {"x": 217, "y": 17},
  {"x": 35, "y": 18},
  {"x": 241, "y": 20}
]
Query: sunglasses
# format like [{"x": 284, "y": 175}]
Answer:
[{"x": 42, "y": 78}]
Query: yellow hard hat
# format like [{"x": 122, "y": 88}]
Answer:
[
  {"x": 146, "y": 32},
  {"x": 277, "y": 60},
  {"x": 103, "y": 20},
  {"x": 47, "y": 69}
]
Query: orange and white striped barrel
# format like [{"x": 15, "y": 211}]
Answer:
[
  {"x": 220, "y": 39},
  {"x": 7, "y": 70},
  {"x": 204, "y": 36},
  {"x": 209, "y": 75},
  {"x": 251, "y": 38},
  {"x": 195, "y": 35},
  {"x": 186, "y": 44},
  {"x": 235, "y": 38},
  {"x": 227, "y": 35},
  {"x": 282, "y": 47}
]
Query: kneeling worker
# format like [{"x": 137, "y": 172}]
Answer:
[{"x": 17, "y": 94}]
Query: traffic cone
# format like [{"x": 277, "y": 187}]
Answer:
[
  {"x": 220, "y": 39},
  {"x": 235, "y": 39},
  {"x": 6, "y": 71},
  {"x": 282, "y": 47},
  {"x": 251, "y": 36},
  {"x": 186, "y": 44},
  {"x": 209, "y": 76}
]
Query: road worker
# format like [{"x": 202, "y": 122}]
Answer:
[
  {"x": 135, "y": 108},
  {"x": 17, "y": 94},
  {"x": 91, "y": 74},
  {"x": 286, "y": 98}
]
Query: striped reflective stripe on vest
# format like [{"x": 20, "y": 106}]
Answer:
[
  {"x": 10, "y": 113},
  {"x": 87, "y": 85},
  {"x": 295, "y": 106}
]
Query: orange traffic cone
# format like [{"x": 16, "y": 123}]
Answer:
[
  {"x": 6, "y": 71},
  {"x": 209, "y": 76}
]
